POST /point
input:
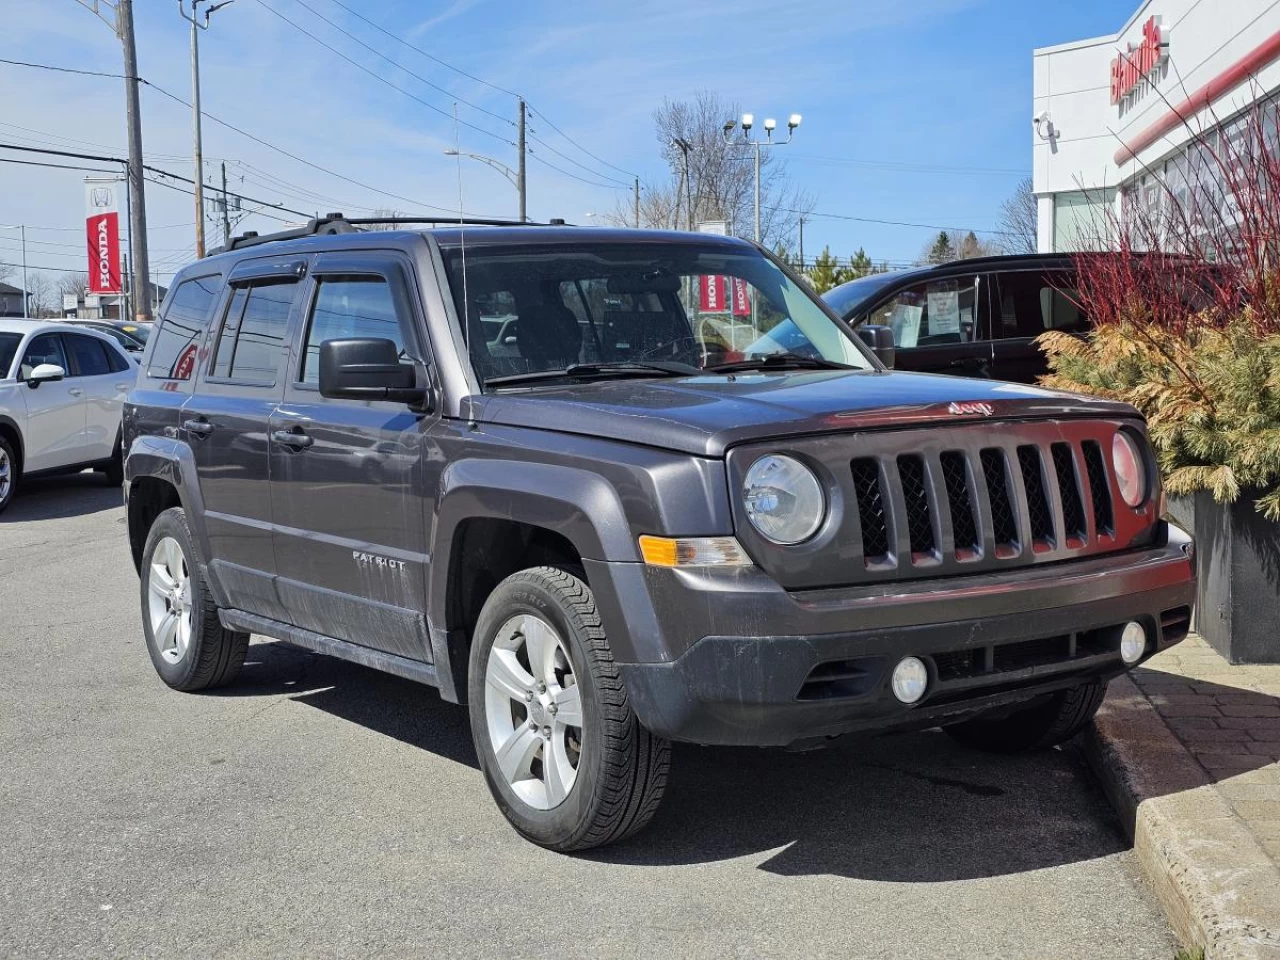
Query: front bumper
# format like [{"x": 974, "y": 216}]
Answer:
[{"x": 721, "y": 658}]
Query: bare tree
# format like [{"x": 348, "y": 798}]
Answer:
[
  {"x": 1019, "y": 219},
  {"x": 76, "y": 284},
  {"x": 389, "y": 213},
  {"x": 721, "y": 181},
  {"x": 6, "y": 272},
  {"x": 44, "y": 299}
]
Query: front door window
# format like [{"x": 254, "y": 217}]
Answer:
[{"x": 931, "y": 314}]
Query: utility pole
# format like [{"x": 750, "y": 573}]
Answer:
[
  {"x": 25, "y": 295},
  {"x": 520, "y": 186},
  {"x": 685, "y": 146},
  {"x": 197, "y": 145},
  {"x": 637, "y": 188},
  {"x": 227, "y": 215}
]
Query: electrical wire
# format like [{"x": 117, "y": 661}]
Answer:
[
  {"x": 891, "y": 223},
  {"x": 595, "y": 173},
  {"x": 608, "y": 186},
  {"x": 381, "y": 79},
  {"x": 570, "y": 139}
]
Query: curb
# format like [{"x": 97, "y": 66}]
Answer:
[{"x": 1218, "y": 888}]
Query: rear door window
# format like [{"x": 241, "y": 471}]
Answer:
[
  {"x": 173, "y": 354},
  {"x": 1031, "y": 303},
  {"x": 252, "y": 339},
  {"x": 89, "y": 356}
]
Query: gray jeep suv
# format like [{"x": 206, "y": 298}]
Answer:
[{"x": 569, "y": 478}]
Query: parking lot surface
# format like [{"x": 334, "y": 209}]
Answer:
[{"x": 321, "y": 809}]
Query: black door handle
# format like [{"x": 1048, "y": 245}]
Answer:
[
  {"x": 292, "y": 438},
  {"x": 199, "y": 428}
]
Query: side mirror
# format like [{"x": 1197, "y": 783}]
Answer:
[
  {"x": 367, "y": 369},
  {"x": 45, "y": 372},
  {"x": 880, "y": 340}
]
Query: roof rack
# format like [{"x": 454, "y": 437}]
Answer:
[{"x": 334, "y": 223}]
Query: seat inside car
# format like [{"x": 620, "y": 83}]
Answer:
[{"x": 548, "y": 336}]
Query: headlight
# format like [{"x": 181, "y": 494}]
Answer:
[
  {"x": 1131, "y": 471},
  {"x": 783, "y": 498}
]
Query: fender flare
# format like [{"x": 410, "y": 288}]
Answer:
[{"x": 172, "y": 460}]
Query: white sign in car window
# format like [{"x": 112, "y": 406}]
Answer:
[
  {"x": 905, "y": 324},
  {"x": 944, "y": 312}
]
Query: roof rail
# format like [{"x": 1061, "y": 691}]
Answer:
[{"x": 333, "y": 223}]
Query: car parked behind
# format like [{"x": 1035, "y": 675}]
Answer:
[
  {"x": 971, "y": 318},
  {"x": 61, "y": 391},
  {"x": 131, "y": 336}
]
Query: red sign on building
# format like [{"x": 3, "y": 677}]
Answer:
[{"x": 1137, "y": 63}]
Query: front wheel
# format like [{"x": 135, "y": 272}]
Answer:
[
  {"x": 8, "y": 473},
  {"x": 1055, "y": 719},
  {"x": 564, "y": 756}
]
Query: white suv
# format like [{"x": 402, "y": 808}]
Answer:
[{"x": 61, "y": 390}]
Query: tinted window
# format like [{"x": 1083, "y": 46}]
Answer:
[
  {"x": 8, "y": 348},
  {"x": 118, "y": 363},
  {"x": 1031, "y": 303},
  {"x": 849, "y": 298},
  {"x": 928, "y": 314},
  {"x": 46, "y": 348},
  {"x": 174, "y": 353},
  {"x": 252, "y": 341},
  {"x": 349, "y": 307},
  {"x": 90, "y": 356}
]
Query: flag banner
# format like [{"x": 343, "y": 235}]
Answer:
[
  {"x": 741, "y": 298},
  {"x": 102, "y": 229},
  {"x": 712, "y": 299}
]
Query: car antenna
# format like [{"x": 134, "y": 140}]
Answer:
[{"x": 462, "y": 234}]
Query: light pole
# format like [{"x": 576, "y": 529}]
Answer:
[
  {"x": 685, "y": 146},
  {"x": 517, "y": 180},
  {"x": 748, "y": 121},
  {"x": 197, "y": 147}
]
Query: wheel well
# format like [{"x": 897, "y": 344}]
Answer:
[
  {"x": 10, "y": 433},
  {"x": 148, "y": 498},
  {"x": 485, "y": 552}
]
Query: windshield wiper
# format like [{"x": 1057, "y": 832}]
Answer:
[
  {"x": 596, "y": 371},
  {"x": 779, "y": 361}
]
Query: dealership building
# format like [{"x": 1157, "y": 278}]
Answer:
[{"x": 1154, "y": 100}]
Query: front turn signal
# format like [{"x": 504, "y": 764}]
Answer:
[{"x": 693, "y": 552}]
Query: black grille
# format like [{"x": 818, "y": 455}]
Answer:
[
  {"x": 1002, "y": 522},
  {"x": 1037, "y": 504},
  {"x": 956, "y": 476},
  {"x": 957, "y": 664},
  {"x": 866, "y": 488},
  {"x": 1098, "y": 490},
  {"x": 916, "y": 495},
  {"x": 1031, "y": 653},
  {"x": 1069, "y": 486}
]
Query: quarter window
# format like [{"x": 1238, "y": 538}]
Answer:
[
  {"x": 252, "y": 337},
  {"x": 345, "y": 308},
  {"x": 173, "y": 356}
]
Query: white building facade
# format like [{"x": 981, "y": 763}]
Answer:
[{"x": 1155, "y": 100}]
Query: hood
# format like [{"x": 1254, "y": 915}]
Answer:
[{"x": 706, "y": 415}]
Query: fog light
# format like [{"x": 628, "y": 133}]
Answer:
[
  {"x": 1133, "y": 642},
  {"x": 910, "y": 679}
]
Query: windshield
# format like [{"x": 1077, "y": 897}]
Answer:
[
  {"x": 139, "y": 332},
  {"x": 8, "y": 347},
  {"x": 848, "y": 298},
  {"x": 533, "y": 309}
]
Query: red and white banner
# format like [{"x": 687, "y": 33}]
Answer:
[
  {"x": 102, "y": 227},
  {"x": 713, "y": 295},
  {"x": 741, "y": 298}
]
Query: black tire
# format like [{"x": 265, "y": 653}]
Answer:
[
  {"x": 10, "y": 459},
  {"x": 622, "y": 771},
  {"x": 1056, "y": 719},
  {"x": 114, "y": 470},
  {"x": 214, "y": 654}
]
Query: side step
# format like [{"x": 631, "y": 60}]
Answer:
[{"x": 330, "y": 647}]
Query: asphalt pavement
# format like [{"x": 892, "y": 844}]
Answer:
[{"x": 322, "y": 809}]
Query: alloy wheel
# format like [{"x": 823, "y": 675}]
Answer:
[
  {"x": 169, "y": 600},
  {"x": 533, "y": 711},
  {"x": 6, "y": 474}
]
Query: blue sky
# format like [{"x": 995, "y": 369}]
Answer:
[{"x": 914, "y": 110}]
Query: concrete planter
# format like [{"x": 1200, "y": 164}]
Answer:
[{"x": 1238, "y": 563}]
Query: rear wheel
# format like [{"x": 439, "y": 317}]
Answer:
[
  {"x": 114, "y": 470},
  {"x": 8, "y": 473},
  {"x": 1056, "y": 719},
  {"x": 189, "y": 646},
  {"x": 564, "y": 756}
]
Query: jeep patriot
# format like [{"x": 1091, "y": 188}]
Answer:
[{"x": 614, "y": 488}]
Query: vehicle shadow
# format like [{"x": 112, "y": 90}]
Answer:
[
  {"x": 62, "y": 496},
  {"x": 912, "y": 807}
]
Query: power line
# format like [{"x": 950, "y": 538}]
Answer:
[
  {"x": 378, "y": 77},
  {"x": 560, "y": 170},
  {"x": 46, "y": 66},
  {"x": 573, "y": 141},
  {"x": 907, "y": 167},
  {"x": 580, "y": 166},
  {"x": 892, "y": 223},
  {"x": 383, "y": 56},
  {"x": 54, "y": 166}
]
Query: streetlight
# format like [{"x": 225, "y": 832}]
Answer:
[
  {"x": 684, "y": 146},
  {"x": 748, "y": 121},
  {"x": 196, "y": 27},
  {"x": 516, "y": 180}
]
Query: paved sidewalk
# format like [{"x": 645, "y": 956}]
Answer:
[{"x": 1229, "y": 718}]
